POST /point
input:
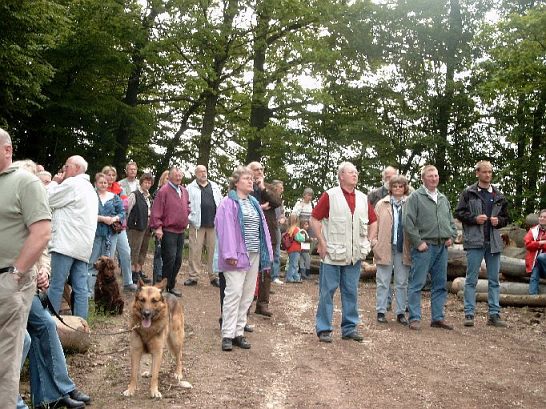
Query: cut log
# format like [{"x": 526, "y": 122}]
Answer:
[
  {"x": 512, "y": 267},
  {"x": 76, "y": 338},
  {"x": 505, "y": 287},
  {"x": 512, "y": 300}
]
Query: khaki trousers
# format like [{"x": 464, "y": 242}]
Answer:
[
  {"x": 15, "y": 302},
  {"x": 199, "y": 238}
]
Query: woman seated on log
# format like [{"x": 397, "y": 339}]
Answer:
[{"x": 535, "y": 258}]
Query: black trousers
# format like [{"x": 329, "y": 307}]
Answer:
[{"x": 172, "y": 245}]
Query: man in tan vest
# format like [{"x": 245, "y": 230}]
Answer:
[{"x": 343, "y": 220}]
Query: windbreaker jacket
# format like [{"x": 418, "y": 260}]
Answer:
[
  {"x": 533, "y": 248},
  {"x": 471, "y": 205},
  {"x": 74, "y": 205},
  {"x": 230, "y": 241},
  {"x": 194, "y": 192}
]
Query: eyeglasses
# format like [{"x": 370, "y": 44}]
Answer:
[{"x": 398, "y": 186}]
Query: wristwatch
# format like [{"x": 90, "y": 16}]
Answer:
[{"x": 13, "y": 270}]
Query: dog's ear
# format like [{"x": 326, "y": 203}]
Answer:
[
  {"x": 110, "y": 263},
  {"x": 162, "y": 284},
  {"x": 140, "y": 283}
]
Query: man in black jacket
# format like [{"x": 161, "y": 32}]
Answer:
[{"x": 483, "y": 210}]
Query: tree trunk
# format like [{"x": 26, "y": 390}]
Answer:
[
  {"x": 511, "y": 300},
  {"x": 76, "y": 338},
  {"x": 506, "y": 287}
]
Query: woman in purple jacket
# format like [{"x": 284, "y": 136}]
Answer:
[{"x": 244, "y": 248}]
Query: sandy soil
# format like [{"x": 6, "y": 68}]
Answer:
[{"x": 480, "y": 367}]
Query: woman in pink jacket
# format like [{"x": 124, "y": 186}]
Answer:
[{"x": 244, "y": 248}]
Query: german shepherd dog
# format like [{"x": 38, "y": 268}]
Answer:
[
  {"x": 157, "y": 318},
  {"x": 107, "y": 295}
]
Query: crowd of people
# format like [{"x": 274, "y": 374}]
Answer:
[{"x": 56, "y": 227}]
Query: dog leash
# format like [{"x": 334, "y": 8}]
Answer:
[{"x": 46, "y": 302}]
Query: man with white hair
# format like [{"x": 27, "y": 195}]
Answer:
[
  {"x": 205, "y": 196},
  {"x": 168, "y": 220},
  {"x": 343, "y": 219},
  {"x": 376, "y": 195},
  {"x": 75, "y": 205},
  {"x": 25, "y": 229}
]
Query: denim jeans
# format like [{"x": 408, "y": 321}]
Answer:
[
  {"x": 305, "y": 260},
  {"x": 292, "y": 273},
  {"x": 434, "y": 259},
  {"x": 62, "y": 268},
  {"x": 539, "y": 271},
  {"x": 383, "y": 280},
  {"x": 26, "y": 347},
  {"x": 120, "y": 242},
  {"x": 474, "y": 259},
  {"x": 172, "y": 245},
  {"x": 276, "y": 266},
  {"x": 49, "y": 380},
  {"x": 330, "y": 278},
  {"x": 101, "y": 247}
]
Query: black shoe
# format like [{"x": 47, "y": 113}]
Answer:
[
  {"x": 248, "y": 328},
  {"x": 355, "y": 336},
  {"x": 381, "y": 318},
  {"x": 241, "y": 342},
  {"x": 215, "y": 282},
  {"x": 190, "y": 281},
  {"x": 66, "y": 402},
  {"x": 495, "y": 321},
  {"x": 227, "y": 344},
  {"x": 401, "y": 318},
  {"x": 144, "y": 279},
  {"x": 79, "y": 395},
  {"x": 325, "y": 336},
  {"x": 175, "y": 292},
  {"x": 468, "y": 321}
]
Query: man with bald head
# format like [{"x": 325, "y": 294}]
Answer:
[
  {"x": 75, "y": 208},
  {"x": 168, "y": 220},
  {"x": 25, "y": 229},
  {"x": 205, "y": 195}
]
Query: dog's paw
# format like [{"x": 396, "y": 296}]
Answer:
[
  {"x": 185, "y": 384},
  {"x": 156, "y": 394},
  {"x": 146, "y": 374},
  {"x": 129, "y": 392}
]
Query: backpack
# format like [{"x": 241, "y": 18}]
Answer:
[{"x": 286, "y": 241}]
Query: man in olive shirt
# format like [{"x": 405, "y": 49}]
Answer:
[{"x": 25, "y": 229}]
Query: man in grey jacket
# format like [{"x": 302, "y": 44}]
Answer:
[
  {"x": 431, "y": 230},
  {"x": 204, "y": 196},
  {"x": 74, "y": 204},
  {"x": 483, "y": 210}
]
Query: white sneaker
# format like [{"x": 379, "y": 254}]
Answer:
[{"x": 277, "y": 281}]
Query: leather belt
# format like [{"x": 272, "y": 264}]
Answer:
[{"x": 436, "y": 242}]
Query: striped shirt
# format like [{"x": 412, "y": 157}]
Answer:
[{"x": 251, "y": 222}]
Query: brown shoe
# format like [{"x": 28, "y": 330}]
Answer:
[
  {"x": 415, "y": 325},
  {"x": 441, "y": 324},
  {"x": 262, "y": 309}
]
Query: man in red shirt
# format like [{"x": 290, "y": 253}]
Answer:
[{"x": 343, "y": 219}]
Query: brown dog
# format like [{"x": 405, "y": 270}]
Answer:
[
  {"x": 157, "y": 318},
  {"x": 107, "y": 295}
]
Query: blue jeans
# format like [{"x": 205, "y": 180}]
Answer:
[
  {"x": 49, "y": 380},
  {"x": 276, "y": 266},
  {"x": 26, "y": 347},
  {"x": 120, "y": 242},
  {"x": 539, "y": 271},
  {"x": 292, "y": 273},
  {"x": 330, "y": 278},
  {"x": 101, "y": 247},
  {"x": 434, "y": 260},
  {"x": 383, "y": 281},
  {"x": 474, "y": 259},
  {"x": 63, "y": 267}
]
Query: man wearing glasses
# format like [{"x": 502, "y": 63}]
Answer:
[{"x": 483, "y": 210}]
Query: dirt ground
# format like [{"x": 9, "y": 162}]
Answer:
[{"x": 480, "y": 367}]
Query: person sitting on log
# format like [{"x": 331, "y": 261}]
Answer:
[{"x": 535, "y": 258}]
